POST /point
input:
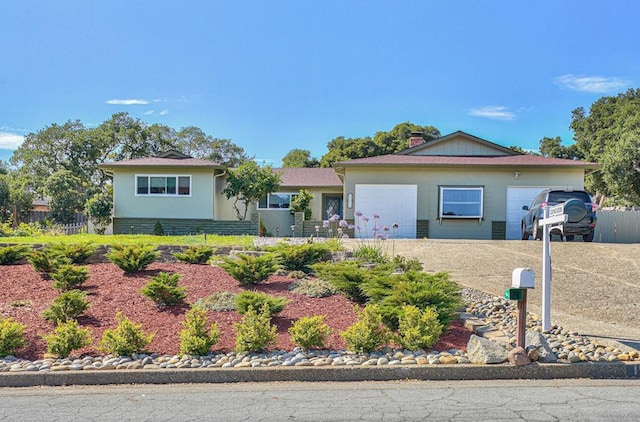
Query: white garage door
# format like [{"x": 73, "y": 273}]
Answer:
[
  {"x": 395, "y": 204},
  {"x": 516, "y": 198}
]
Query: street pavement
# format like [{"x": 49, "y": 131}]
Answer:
[{"x": 512, "y": 400}]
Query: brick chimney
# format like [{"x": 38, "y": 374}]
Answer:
[{"x": 415, "y": 139}]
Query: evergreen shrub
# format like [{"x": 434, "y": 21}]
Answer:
[
  {"x": 132, "y": 258},
  {"x": 195, "y": 338},
  {"x": 66, "y": 338},
  {"x": 258, "y": 300},
  {"x": 163, "y": 289},
  {"x": 255, "y": 331},
  {"x": 418, "y": 329},
  {"x": 248, "y": 269},
  {"x": 126, "y": 339},
  {"x": 308, "y": 332},
  {"x": 11, "y": 254},
  {"x": 368, "y": 333},
  {"x": 68, "y": 277},
  {"x": 195, "y": 254},
  {"x": 11, "y": 336},
  {"x": 67, "y": 306}
]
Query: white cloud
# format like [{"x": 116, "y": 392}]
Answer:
[
  {"x": 493, "y": 112},
  {"x": 128, "y": 102},
  {"x": 10, "y": 141},
  {"x": 148, "y": 113},
  {"x": 593, "y": 84},
  {"x": 164, "y": 112}
]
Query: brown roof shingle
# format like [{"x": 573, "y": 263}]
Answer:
[
  {"x": 441, "y": 160},
  {"x": 162, "y": 162},
  {"x": 311, "y": 177}
]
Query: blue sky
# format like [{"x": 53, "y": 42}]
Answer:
[{"x": 273, "y": 76}]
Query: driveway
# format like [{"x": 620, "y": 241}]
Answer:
[{"x": 595, "y": 287}]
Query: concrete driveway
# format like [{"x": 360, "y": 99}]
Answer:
[{"x": 595, "y": 287}]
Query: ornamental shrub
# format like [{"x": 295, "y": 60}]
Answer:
[
  {"x": 346, "y": 276},
  {"x": 255, "y": 331},
  {"x": 300, "y": 257},
  {"x": 392, "y": 291},
  {"x": 374, "y": 253},
  {"x": 315, "y": 287},
  {"x": 258, "y": 300},
  {"x": 12, "y": 254},
  {"x": 368, "y": 332},
  {"x": 77, "y": 253},
  {"x": 157, "y": 229},
  {"x": 67, "y": 277},
  {"x": 195, "y": 339},
  {"x": 45, "y": 261},
  {"x": 248, "y": 269},
  {"x": 126, "y": 339},
  {"x": 163, "y": 289},
  {"x": 308, "y": 332},
  {"x": 219, "y": 301},
  {"x": 66, "y": 338},
  {"x": 66, "y": 307},
  {"x": 195, "y": 254},
  {"x": 403, "y": 264},
  {"x": 132, "y": 258},
  {"x": 11, "y": 336},
  {"x": 418, "y": 329}
]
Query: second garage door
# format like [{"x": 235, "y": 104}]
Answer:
[
  {"x": 516, "y": 198},
  {"x": 395, "y": 204}
]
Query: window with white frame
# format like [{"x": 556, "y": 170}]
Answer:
[
  {"x": 163, "y": 185},
  {"x": 461, "y": 202},
  {"x": 276, "y": 201}
]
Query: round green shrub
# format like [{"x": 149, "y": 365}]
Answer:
[{"x": 308, "y": 332}]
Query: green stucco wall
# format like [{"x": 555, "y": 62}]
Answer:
[
  {"x": 199, "y": 205},
  {"x": 428, "y": 180}
]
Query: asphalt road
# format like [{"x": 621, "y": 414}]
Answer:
[
  {"x": 595, "y": 287},
  {"x": 520, "y": 400}
]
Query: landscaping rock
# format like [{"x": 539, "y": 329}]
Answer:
[
  {"x": 538, "y": 348},
  {"x": 481, "y": 351},
  {"x": 518, "y": 357}
]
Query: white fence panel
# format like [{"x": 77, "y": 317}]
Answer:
[
  {"x": 73, "y": 228},
  {"x": 618, "y": 226}
]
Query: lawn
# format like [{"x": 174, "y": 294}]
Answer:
[{"x": 128, "y": 239}]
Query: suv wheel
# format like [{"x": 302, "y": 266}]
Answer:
[
  {"x": 537, "y": 231},
  {"x": 524, "y": 234},
  {"x": 588, "y": 237}
]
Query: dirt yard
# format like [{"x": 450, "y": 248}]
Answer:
[{"x": 595, "y": 287}]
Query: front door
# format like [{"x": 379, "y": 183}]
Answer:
[{"x": 332, "y": 204}]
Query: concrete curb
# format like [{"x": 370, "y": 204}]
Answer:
[{"x": 599, "y": 370}]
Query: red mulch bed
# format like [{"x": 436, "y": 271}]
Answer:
[{"x": 110, "y": 290}]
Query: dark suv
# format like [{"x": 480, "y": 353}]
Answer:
[{"x": 579, "y": 207}]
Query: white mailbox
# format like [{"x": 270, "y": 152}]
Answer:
[{"x": 523, "y": 278}]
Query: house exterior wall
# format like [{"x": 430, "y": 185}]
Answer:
[
  {"x": 494, "y": 181},
  {"x": 199, "y": 205},
  {"x": 459, "y": 145},
  {"x": 279, "y": 222}
]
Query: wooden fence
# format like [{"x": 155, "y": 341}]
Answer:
[{"x": 618, "y": 226}]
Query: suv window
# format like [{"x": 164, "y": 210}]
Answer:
[{"x": 561, "y": 196}]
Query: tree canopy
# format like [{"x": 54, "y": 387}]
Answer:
[
  {"x": 248, "y": 183},
  {"x": 610, "y": 135},
  {"x": 397, "y": 139},
  {"x": 73, "y": 150},
  {"x": 298, "y": 158}
]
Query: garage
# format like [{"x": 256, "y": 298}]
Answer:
[
  {"x": 395, "y": 204},
  {"x": 516, "y": 198}
]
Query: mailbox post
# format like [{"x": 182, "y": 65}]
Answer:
[
  {"x": 521, "y": 280},
  {"x": 553, "y": 216}
]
